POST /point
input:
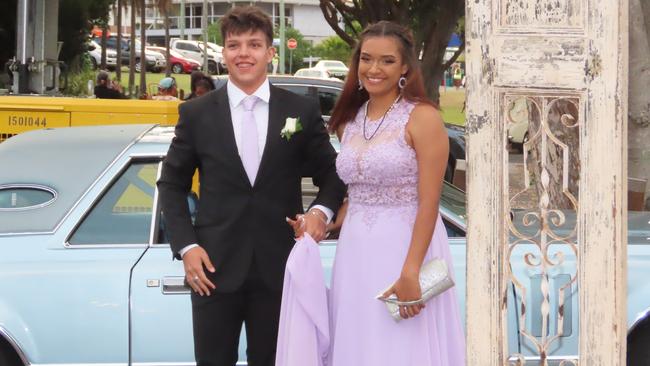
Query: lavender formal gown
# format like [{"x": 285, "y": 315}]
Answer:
[{"x": 382, "y": 176}]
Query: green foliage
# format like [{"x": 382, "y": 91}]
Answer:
[
  {"x": 76, "y": 19},
  {"x": 214, "y": 33},
  {"x": 303, "y": 50},
  {"x": 333, "y": 48},
  {"x": 78, "y": 80}
]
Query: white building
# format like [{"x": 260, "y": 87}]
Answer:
[{"x": 304, "y": 15}]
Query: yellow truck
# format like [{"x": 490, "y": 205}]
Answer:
[{"x": 24, "y": 113}]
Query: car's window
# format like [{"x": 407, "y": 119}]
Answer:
[
  {"x": 327, "y": 99},
  {"x": 192, "y": 47},
  {"x": 298, "y": 89},
  {"x": 334, "y": 64},
  {"x": 17, "y": 197},
  {"x": 123, "y": 213},
  {"x": 181, "y": 46}
]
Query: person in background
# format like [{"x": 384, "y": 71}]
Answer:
[
  {"x": 195, "y": 76},
  {"x": 166, "y": 90},
  {"x": 275, "y": 62},
  {"x": 203, "y": 86},
  {"x": 106, "y": 88}
]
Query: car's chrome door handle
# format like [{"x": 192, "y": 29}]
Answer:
[{"x": 175, "y": 285}]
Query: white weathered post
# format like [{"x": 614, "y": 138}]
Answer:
[{"x": 568, "y": 60}]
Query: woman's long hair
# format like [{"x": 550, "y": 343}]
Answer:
[{"x": 351, "y": 99}]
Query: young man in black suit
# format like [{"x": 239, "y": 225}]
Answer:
[{"x": 252, "y": 143}]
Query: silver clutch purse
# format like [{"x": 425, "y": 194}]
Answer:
[{"x": 434, "y": 280}]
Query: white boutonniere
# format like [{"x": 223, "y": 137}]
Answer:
[{"x": 291, "y": 126}]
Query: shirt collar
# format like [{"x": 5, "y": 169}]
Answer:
[{"x": 236, "y": 95}]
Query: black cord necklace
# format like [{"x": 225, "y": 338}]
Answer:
[{"x": 365, "y": 117}]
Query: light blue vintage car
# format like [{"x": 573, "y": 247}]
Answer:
[{"x": 86, "y": 276}]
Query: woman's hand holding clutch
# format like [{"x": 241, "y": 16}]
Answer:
[{"x": 407, "y": 288}]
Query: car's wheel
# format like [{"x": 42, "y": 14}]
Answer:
[
  {"x": 8, "y": 356},
  {"x": 177, "y": 68},
  {"x": 638, "y": 352},
  {"x": 212, "y": 67},
  {"x": 93, "y": 63},
  {"x": 138, "y": 67}
]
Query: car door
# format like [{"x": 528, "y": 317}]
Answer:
[{"x": 77, "y": 312}]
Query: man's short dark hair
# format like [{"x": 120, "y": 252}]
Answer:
[{"x": 246, "y": 18}]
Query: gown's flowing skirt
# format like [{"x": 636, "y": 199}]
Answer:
[{"x": 371, "y": 250}]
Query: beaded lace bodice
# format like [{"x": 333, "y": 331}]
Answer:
[{"x": 382, "y": 170}]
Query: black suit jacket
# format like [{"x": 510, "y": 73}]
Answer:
[{"x": 236, "y": 221}]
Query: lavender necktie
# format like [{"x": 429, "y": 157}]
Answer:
[{"x": 250, "y": 154}]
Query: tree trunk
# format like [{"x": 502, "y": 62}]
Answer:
[
  {"x": 435, "y": 46},
  {"x": 639, "y": 99},
  {"x": 103, "y": 45},
  {"x": 132, "y": 50},
  {"x": 143, "y": 42},
  {"x": 168, "y": 69},
  {"x": 118, "y": 67}
]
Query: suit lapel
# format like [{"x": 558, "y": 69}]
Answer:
[
  {"x": 275, "y": 125},
  {"x": 228, "y": 143}
]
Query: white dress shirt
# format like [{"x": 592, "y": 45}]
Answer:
[{"x": 261, "y": 112}]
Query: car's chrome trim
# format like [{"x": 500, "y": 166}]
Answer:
[
  {"x": 154, "y": 210},
  {"x": 459, "y": 224},
  {"x": 14, "y": 344},
  {"x": 308, "y": 85},
  {"x": 639, "y": 318},
  {"x": 41, "y": 187}
]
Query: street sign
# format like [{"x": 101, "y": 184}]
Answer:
[{"x": 292, "y": 43}]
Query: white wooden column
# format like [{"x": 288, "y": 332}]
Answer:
[{"x": 548, "y": 51}]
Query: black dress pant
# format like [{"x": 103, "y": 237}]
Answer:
[{"x": 217, "y": 323}]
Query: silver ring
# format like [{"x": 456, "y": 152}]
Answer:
[{"x": 195, "y": 279}]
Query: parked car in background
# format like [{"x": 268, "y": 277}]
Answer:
[
  {"x": 193, "y": 50},
  {"x": 313, "y": 73},
  {"x": 87, "y": 276},
  {"x": 518, "y": 123},
  {"x": 336, "y": 68},
  {"x": 95, "y": 53},
  {"x": 218, "y": 50},
  {"x": 327, "y": 91},
  {"x": 179, "y": 63},
  {"x": 155, "y": 61}
]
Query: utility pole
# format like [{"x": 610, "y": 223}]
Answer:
[
  {"x": 181, "y": 20},
  {"x": 282, "y": 37},
  {"x": 204, "y": 25}
]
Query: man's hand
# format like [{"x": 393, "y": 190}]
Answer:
[{"x": 194, "y": 261}]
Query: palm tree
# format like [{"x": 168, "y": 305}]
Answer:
[
  {"x": 134, "y": 6},
  {"x": 143, "y": 42},
  {"x": 164, "y": 6},
  {"x": 118, "y": 47}
]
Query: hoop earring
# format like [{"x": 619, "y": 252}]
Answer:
[
  {"x": 360, "y": 85},
  {"x": 401, "y": 83}
]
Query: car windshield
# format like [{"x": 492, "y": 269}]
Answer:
[{"x": 334, "y": 64}]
